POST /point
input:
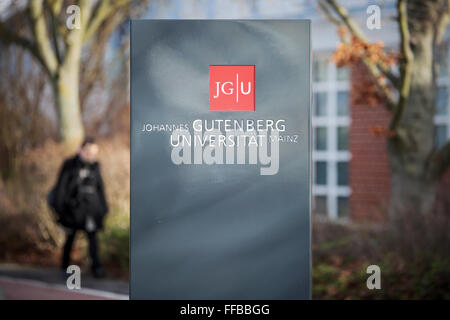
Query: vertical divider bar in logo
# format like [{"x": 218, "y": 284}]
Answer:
[{"x": 237, "y": 87}]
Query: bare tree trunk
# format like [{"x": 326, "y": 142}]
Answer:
[
  {"x": 67, "y": 101},
  {"x": 413, "y": 186},
  {"x": 58, "y": 49},
  {"x": 411, "y": 195}
]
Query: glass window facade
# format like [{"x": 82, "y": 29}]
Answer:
[
  {"x": 342, "y": 138},
  {"x": 320, "y": 104},
  {"x": 342, "y": 103},
  {"x": 331, "y": 122},
  {"x": 321, "y": 138},
  {"x": 321, "y": 173}
]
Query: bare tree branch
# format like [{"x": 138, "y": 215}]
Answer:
[
  {"x": 55, "y": 7},
  {"x": 41, "y": 35},
  {"x": 103, "y": 10},
  {"x": 405, "y": 65},
  {"x": 328, "y": 14},
  {"x": 372, "y": 67},
  {"x": 443, "y": 21},
  {"x": 8, "y": 37},
  {"x": 92, "y": 69}
]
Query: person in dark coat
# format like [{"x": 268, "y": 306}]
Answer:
[{"x": 80, "y": 201}]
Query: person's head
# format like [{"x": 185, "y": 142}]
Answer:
[{"x": 89, "y": 150}]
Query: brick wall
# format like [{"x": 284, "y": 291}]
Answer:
[{"x": 369, "y": 166}]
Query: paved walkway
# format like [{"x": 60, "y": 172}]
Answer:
[{"x": 18, "y": 282}]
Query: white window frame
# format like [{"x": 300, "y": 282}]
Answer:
[{"x": 331, "y": 86}]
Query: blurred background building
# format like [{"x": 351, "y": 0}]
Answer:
[{"x": 351, "y": 169}]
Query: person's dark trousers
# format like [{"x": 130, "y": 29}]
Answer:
[{"x": 93, "y": 249}]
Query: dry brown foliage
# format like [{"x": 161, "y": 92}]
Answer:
[{"x": 353, "y": 51}]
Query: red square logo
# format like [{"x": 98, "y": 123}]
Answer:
[{"x": 232, "y": 88}]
